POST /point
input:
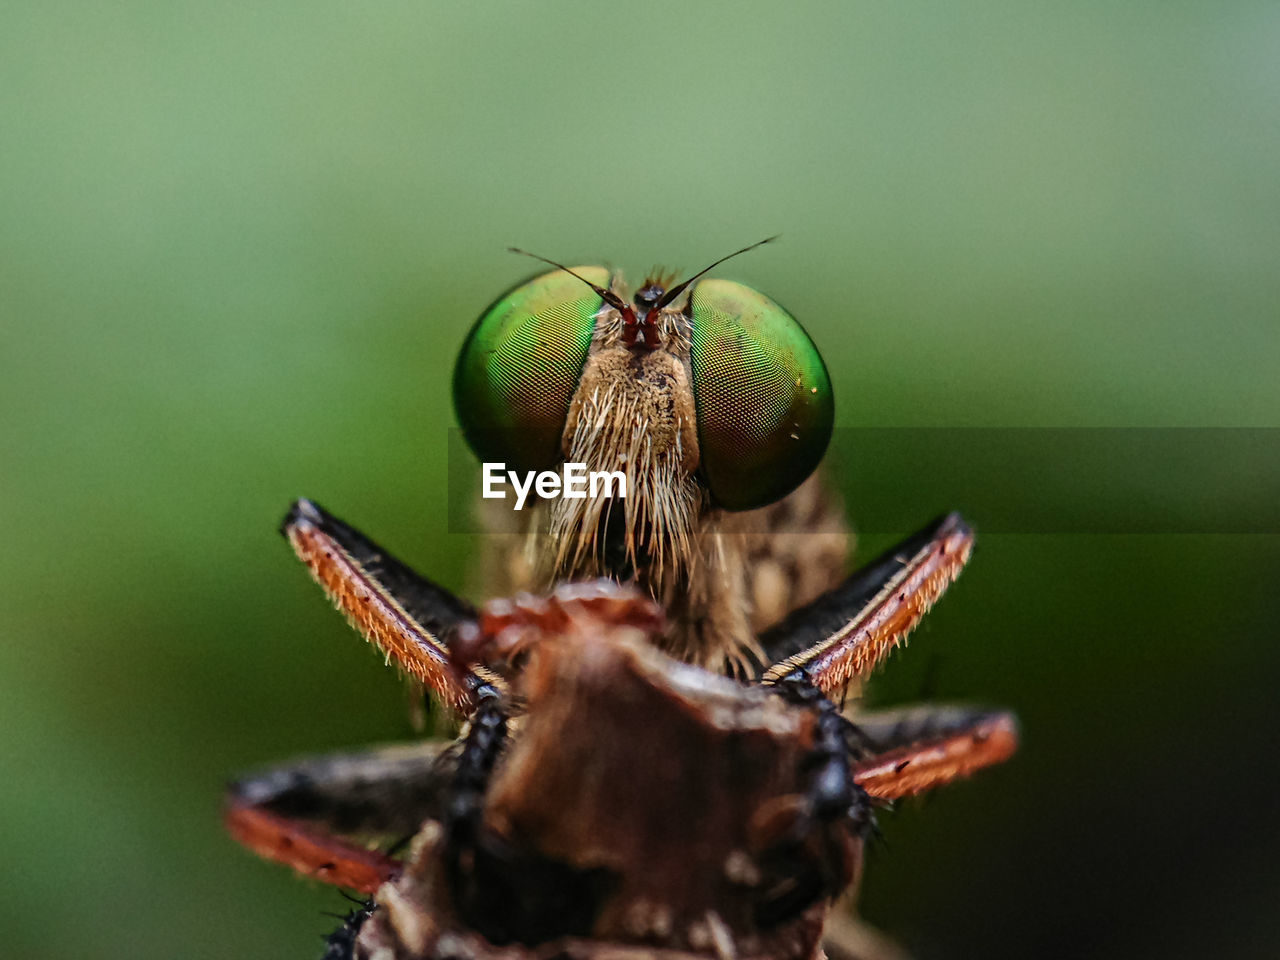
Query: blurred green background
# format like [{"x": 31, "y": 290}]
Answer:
[{"x": 240, "y": 243}]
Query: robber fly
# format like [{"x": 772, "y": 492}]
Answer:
[{"x": 693, "y": 594}]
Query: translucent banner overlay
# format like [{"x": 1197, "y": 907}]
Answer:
[{"x": 1183, "y": 480}]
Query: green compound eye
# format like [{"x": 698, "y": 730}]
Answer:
[
  {"x": 765, "y": 409},
  {"x": 520, "y": 366}
]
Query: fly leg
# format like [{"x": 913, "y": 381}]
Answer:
[
  {"x": 403, "y": 614},
  {"x": 833, "y": 793},
  {"x": 910, "y": 750},
  {"x": 818, "y": 854},
  {"x": 844, "y": 633},
  {"x": 306, "y": 815},
  {"x": 847, "y": 631},
  {"x": 319, "y": 815},
  {"x": 818, "y": 650}
]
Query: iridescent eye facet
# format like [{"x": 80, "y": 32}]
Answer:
[
  {"x": 520, "y": 366},
  {"x": 765, "y": 409}
]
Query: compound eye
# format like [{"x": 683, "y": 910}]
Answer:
[
  {"x": 520, "y": 366},
  {"x": 765, "y": 409}
]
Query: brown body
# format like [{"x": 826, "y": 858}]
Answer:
[{"x": 677, "y": 790}]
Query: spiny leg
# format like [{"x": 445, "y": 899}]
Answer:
[
  {"x": 403, "y": 614},
  {"x": 913, "y": 749},
  {"x": 819, "y": 648},
  {"x": 833, "y": 801},
  {"x": 386, "y": 790},
  {"x": 910, "y": 750},
  {"x": 295, "y": 815},
  {"x": 833, "y": 793},
  {"x": 305, "y": 814},
  {"x": 312, "y": 852},
  {"x": 464, "y": 811},
  {"x": 848, "y": 630}
]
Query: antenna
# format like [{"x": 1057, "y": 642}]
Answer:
[
  {"x": 678, "y": 289},
  {"x": 609, "y": 297}
]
